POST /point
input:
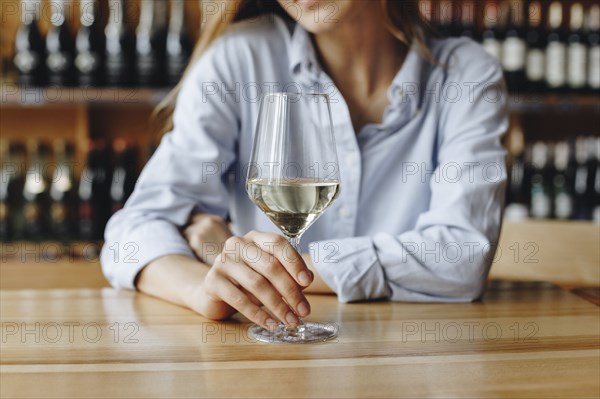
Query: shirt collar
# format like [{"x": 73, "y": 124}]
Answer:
[
  {"x": 303, "y": 56},
  {"x": 406, "y": 86}
]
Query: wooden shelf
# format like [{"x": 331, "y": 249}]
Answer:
[
  {"x": 50, "y": 251},
  {"x": 15, "y": 96},
  {"x": 533, "y": 103}
]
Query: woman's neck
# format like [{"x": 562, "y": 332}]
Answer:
[{"x": 360, "y": 52}]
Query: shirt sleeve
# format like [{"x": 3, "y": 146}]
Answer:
[
  {"x": 447, "y": 256},
  {"x": 185, "y": 173}
]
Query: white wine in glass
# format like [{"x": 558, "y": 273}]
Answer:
[{"x": 293, "y": 177}]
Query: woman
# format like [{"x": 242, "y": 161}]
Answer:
[{"x": 418, "y": 123}]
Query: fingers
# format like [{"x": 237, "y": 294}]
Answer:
[
  {"x": 263, "y": 271},
  {"x": 281, "y": 249},
  {"x": 221, "y": 287},
  {"x": 252, "y": 298},
  {"x": 267, "y": 254},
  {"x": 264, "y": 291}
]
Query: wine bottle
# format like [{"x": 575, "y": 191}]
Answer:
[
  {"x": 30, "y": 49},
  {"x": 563, "y": 194},
  {"x": 63, "y": 192},
  {"x": 556, "y": 49},
  {"x": 90, "y": 46},
  {"x": 593, "y": 42},
  {"x": 7, "y": 170},
  {"x": 94, "y": 185},
  {"x": 593, "y": 166},
  {"x": 596, "y": 211},
  {"x": 425, "y": 8},
  {"x": 151, "y": 43},
  {"x": 35, "y": 192},
  {"x": 467, "y": 21},
  {"x": 60, "y": 48},
  {"x": 179, "y": 45},
  {"x": 491, "y": 38},
  {"x": 514, "y": 49},
  {"x": 120, "y": 46},
  {"x": 576, "y": 51},
  {"x": 13, "y": 175},
  {"x": 445, "y": 18},
  {"x": 518, "y": 189},
  {"x": 541, "y": 202},
  {"x": 583, "y": 182},
  {"x": 124, "y": 174},
  {"x": 535, "y": 64},
  {"x": 517, "y": 192}
]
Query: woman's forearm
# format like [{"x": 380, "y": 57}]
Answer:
[{"x": 174, "y": 278}]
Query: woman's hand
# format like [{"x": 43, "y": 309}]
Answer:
[
  {"x": 206, "y": 235},
  {"x": 254, "y": 270},
  {"x": 247, "y": 273}
]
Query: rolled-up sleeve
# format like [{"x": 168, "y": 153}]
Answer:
[
  {"x": 447, "y": 255},
  {"x": 185, "y": 173}
]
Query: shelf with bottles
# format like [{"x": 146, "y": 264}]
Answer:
[
  {"x": 541, "y": 45},
  {"x": 554, "y": 180},
  {"x": 95, "y": 43},
  {"x": 550, "y": 51},
  {"x": 14, "y": 96},
  {"x": 47, "y": 195}
]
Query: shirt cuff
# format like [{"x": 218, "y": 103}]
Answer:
[
  {"x": 122, "y": 260},
  {"x": 351, "y": 268}
]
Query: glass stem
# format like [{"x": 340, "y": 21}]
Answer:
[
  {"x": 295, "y": 242},
  {"x": 295, "y": 330}
]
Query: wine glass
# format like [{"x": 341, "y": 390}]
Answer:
[{"x": 293, "y": 177}]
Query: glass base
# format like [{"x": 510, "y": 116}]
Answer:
[{"x": 306, "y": 333}]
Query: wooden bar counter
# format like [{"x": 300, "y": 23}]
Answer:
[{"x": 521, "y": 340}]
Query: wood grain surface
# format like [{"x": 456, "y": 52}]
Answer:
[{"x": 521, "y": 340}]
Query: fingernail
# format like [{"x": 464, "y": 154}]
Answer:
[
  {"x": 303, "y": 309},
  {"x": 291, "y": 318},
  {"x": 271, "y": 323},
  {"x": 304, "y": 278}
]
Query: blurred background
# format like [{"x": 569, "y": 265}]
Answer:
[{"x": 80, "y": 78}]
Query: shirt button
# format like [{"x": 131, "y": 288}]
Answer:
[{"x": 344, "y": 212}]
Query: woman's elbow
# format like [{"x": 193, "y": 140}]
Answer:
[{"x": 471, "y": 284}]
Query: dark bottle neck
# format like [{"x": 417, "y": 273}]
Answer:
[
  {"x": 117, "y": 14},
  {"x": 30, "y": 11}
]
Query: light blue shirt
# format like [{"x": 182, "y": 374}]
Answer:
[{"x": 421, "y": 198}]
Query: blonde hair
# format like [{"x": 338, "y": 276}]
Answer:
[{"x": 401, "y": 18}]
